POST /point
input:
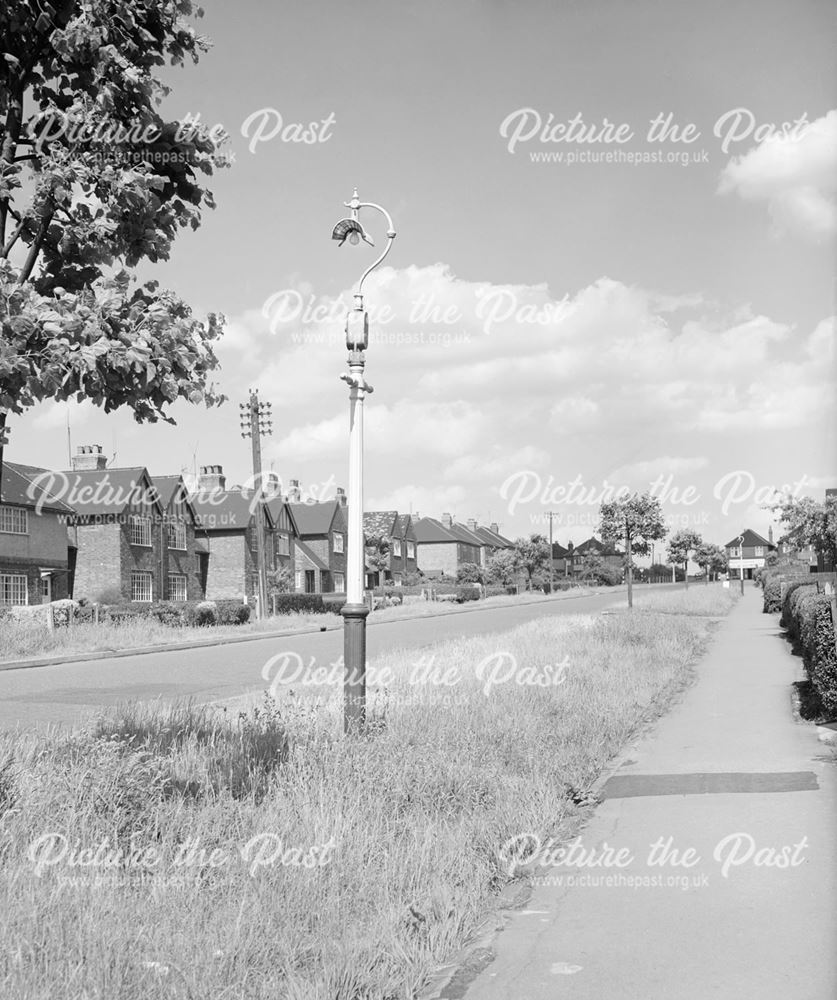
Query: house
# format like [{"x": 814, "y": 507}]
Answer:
[
  {"x": 227, "y": 532},
  {"x": 319, "y": 552},
  {"x": 561, "y": 562},
  {"x": 398, "y": 530},
  {"x": 36, "y": 560},
  {"x": 186, "y": 562},
  {"x": 444, "y": 546},
  {"x": 285, "y": 533},
  {"x": 754, "y": 555},
  {"x": 492, "y": 540},
  {"x": 591, "y": 551}
]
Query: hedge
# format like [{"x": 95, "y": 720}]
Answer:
[
  {"x": 772, "y": 595},
  {"x": 794, "y": 590},
  {"x": 312, "y": 604},
  {"x": 467, "y": 592},
  {"x": 817, "y": 635}
]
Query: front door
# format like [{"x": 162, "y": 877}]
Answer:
[
  {"x": 46, "y": 589},
  {"x": 310, "y": 582}
]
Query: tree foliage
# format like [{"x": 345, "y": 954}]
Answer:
[
  {"x": 635, "y": 520},
  {"x": 377, "y": 556},
  {"x": 711, "y": 558},
  {"x": 681, "y": 546},
  {"x": 533, "y": 556},
  {"x": 469, "y": 573},
  {"x": 502, "y": 567},
  {"x": 810, "y": 522},
  {"x": 94, "y": 181}
]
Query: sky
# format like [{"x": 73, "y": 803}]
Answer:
[{"x": 548, "y": 325}]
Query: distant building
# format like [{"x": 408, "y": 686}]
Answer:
[
  {"x": 36, "y": 559},
  {"x": 750, "y": 556},
  {"x": 320, "y": 546},
  {"x": 397, "y": 529}
]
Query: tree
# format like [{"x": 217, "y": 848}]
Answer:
[
  {"x": 469, "y": 573},
  {"x": 711, "y": 558},
  {"x": 94, "y": 181},
  {"x": 680, "y": 547},
  {"x": 502, "y": 567},
  {"x": 635, "y": 520},
  {"x": 598, "y": 571},
  {"x": 810, "y": 522},
  {"x": 377, "y": 557},
  {"x": 533, "y": 557},
  {"x": 279, "y": 580}
]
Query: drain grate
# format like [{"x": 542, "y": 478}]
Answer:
[{"x": 627, "y": 786}]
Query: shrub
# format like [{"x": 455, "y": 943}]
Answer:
[
  {"x": 793, "y": 591},
  {"x": 469, "y": 573},
  {"x": 166, "y": 613},
  {"x": 772, "y": 595},
  {"x": 818, "y": 648},
  {"x": 206, "y": 613},
  {"x": 108, "y": 595},
  {"x": 467, "y": 593},
  {"x": 232, "y": 612},
  {"x": 312, "y": 604}
]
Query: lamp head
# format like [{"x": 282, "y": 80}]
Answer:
[
  {"x": 352, "y": 230},
  {"x": 357, "y": 330}
]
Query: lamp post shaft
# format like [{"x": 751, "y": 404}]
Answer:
[{"x": 355, "y": 610}]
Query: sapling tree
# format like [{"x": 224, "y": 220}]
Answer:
[
  {"x": 636, "y": 520},
  {"x": 94, "y": 181},
  {"x": 533, "y": 555},
  {"x": 681, "y": 546},
  {"x": 711, "y": 558},
  {"x": 377, "y": 557},
  {"x": 810, "y": 522}
]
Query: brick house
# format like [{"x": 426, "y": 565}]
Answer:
[
  {"x": 753, "y": 557},
  {"x": 320, "y": 545},
  {"x": 285, "y": 533},
  {"x": 119, "y": 530},
  {"x": 398, "y": 530},
  {"x": 226, "y": 535},
  {"x": 443, "y": 546},
  {"x": 35, "y": 557},
  {"x": 592, "y": 549},
  {"x": 186, "y": 567},
  {"x": 491, "y": 539}
]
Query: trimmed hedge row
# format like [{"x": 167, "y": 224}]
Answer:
[
  {"x": 181, "y": 613},
  {"x": 818, "y": 651},
  {"x": 794, "y": 591},
  {"x": 772, "y": 595}
]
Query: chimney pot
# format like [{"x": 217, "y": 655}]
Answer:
[
  {"x": 472, "y": 524},
  {"x": 495, "y": 527},
  {"x": 447, "y": 520},
  {"x": 211, "y": 479},
  {"x": 89, "y": 458}
]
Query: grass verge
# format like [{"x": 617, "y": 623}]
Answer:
[{"x": 291, "y": 862}]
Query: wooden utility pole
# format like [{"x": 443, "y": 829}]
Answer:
[
  {"x": 628, "y": 566},
  {"x": 256, "y": 419},
  {"x": 550, "y": 515}
]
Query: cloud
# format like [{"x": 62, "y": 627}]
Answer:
[
  {"x": 648, "y": 470},
  {"x": 795, "y": 176}
]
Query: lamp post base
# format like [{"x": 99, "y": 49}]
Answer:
[{"x": 354, "y": 666}]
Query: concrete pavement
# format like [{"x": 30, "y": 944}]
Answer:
[{"x": 731, "y": 777}]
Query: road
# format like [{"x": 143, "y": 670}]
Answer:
[{"x": 70, "y": 693}]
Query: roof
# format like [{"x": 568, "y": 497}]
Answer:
[
  {"x": 18, "y": 489},
  {"x": 314, "y": 518},
  {"x": 558, "y": 551},
  {"x": 311, "y": 555},
  {"x": 465, "y": 535},
  {"x": 751, "y": 539},
  {"x": 493, "y": 538},
  {"x": 379, "y": 523},
  {"x": 276, "y": 506},
  {"x": 167, "y": 486},
  {"x": 96, "y": 492},
  {"x": 225, "y": 510},
  {"x": 428, "y": 529},
  {"x": 404, "y": 525},
  {"x": 596, "y": 546}
]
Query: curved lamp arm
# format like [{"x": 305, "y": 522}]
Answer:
[{"x": 355, "y": 206}]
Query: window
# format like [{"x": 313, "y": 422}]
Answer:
[
  {"x": 338, "y": 541},
  {"x": 176, "y": 532},
  {"x": 397, "y": 580},
  {"x": 13, "y": 589},
  {"x": 283, "y": 545},
  {"x": 759, "y": 550},
  {"x": 411, "y": 550},
  {"x": 140, "y": 586},
  {"x": 396, "y": 547},
  {"x": 339, "y": 583},
  {"x": 140, "y": 530},
  {"x": 298, "y": 580},
  {"x": 177, "y": 587},
  {"x": 14, "y": 520}
]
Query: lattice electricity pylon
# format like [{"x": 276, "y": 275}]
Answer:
[{"x": 256, "y": 418}]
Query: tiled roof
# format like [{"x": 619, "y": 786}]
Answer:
[
  {"x": 108, "y": 491},
  {"x": 276, "y": 506},
  {"x": 225, "y": 510},
  {"x": 379, "y": 523},
  {"x": 428, "y": 529},
  {"x": 465, "y": 535},
  {"x": 595, "y": 546},
  {"x": 493, "y": 539},
  {"x": 167, "y": 486},
  {"x": 751, "y": 539},
  {"x": 314, "y": 518},
  {"x": 17, "y": 489},
  {"x": 404, "y": 525}
]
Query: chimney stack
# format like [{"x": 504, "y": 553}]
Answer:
[
  {"x": 472, "y": 524},
  {"x": 341, "y": 496},
  {"x": 770, "y": 534},
  {"x": 447, "y": 520},
  {"x": 272, "y": 487},
  {"x": 89, "y": 458},
  {"x": 495, "y": 527},
  {"x": 294, "y": 492},
  {"x": 211, "y": 479}
]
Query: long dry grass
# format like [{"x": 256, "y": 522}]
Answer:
[
  {"x": 711, "y": 600},
  {"x": 402, "y": 826}
]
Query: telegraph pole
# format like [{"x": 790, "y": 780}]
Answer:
[
  {"x": 550, "y": 515},
  {"x": 256, "y": 419}
]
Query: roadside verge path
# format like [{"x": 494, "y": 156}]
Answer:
[{"x": 729, "y": 775}]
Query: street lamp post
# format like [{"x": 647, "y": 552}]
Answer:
[
  {"x": 357, "y": 340},
  {"x": 741, "y": 562},
  {"x": 551, "y": 556}
]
